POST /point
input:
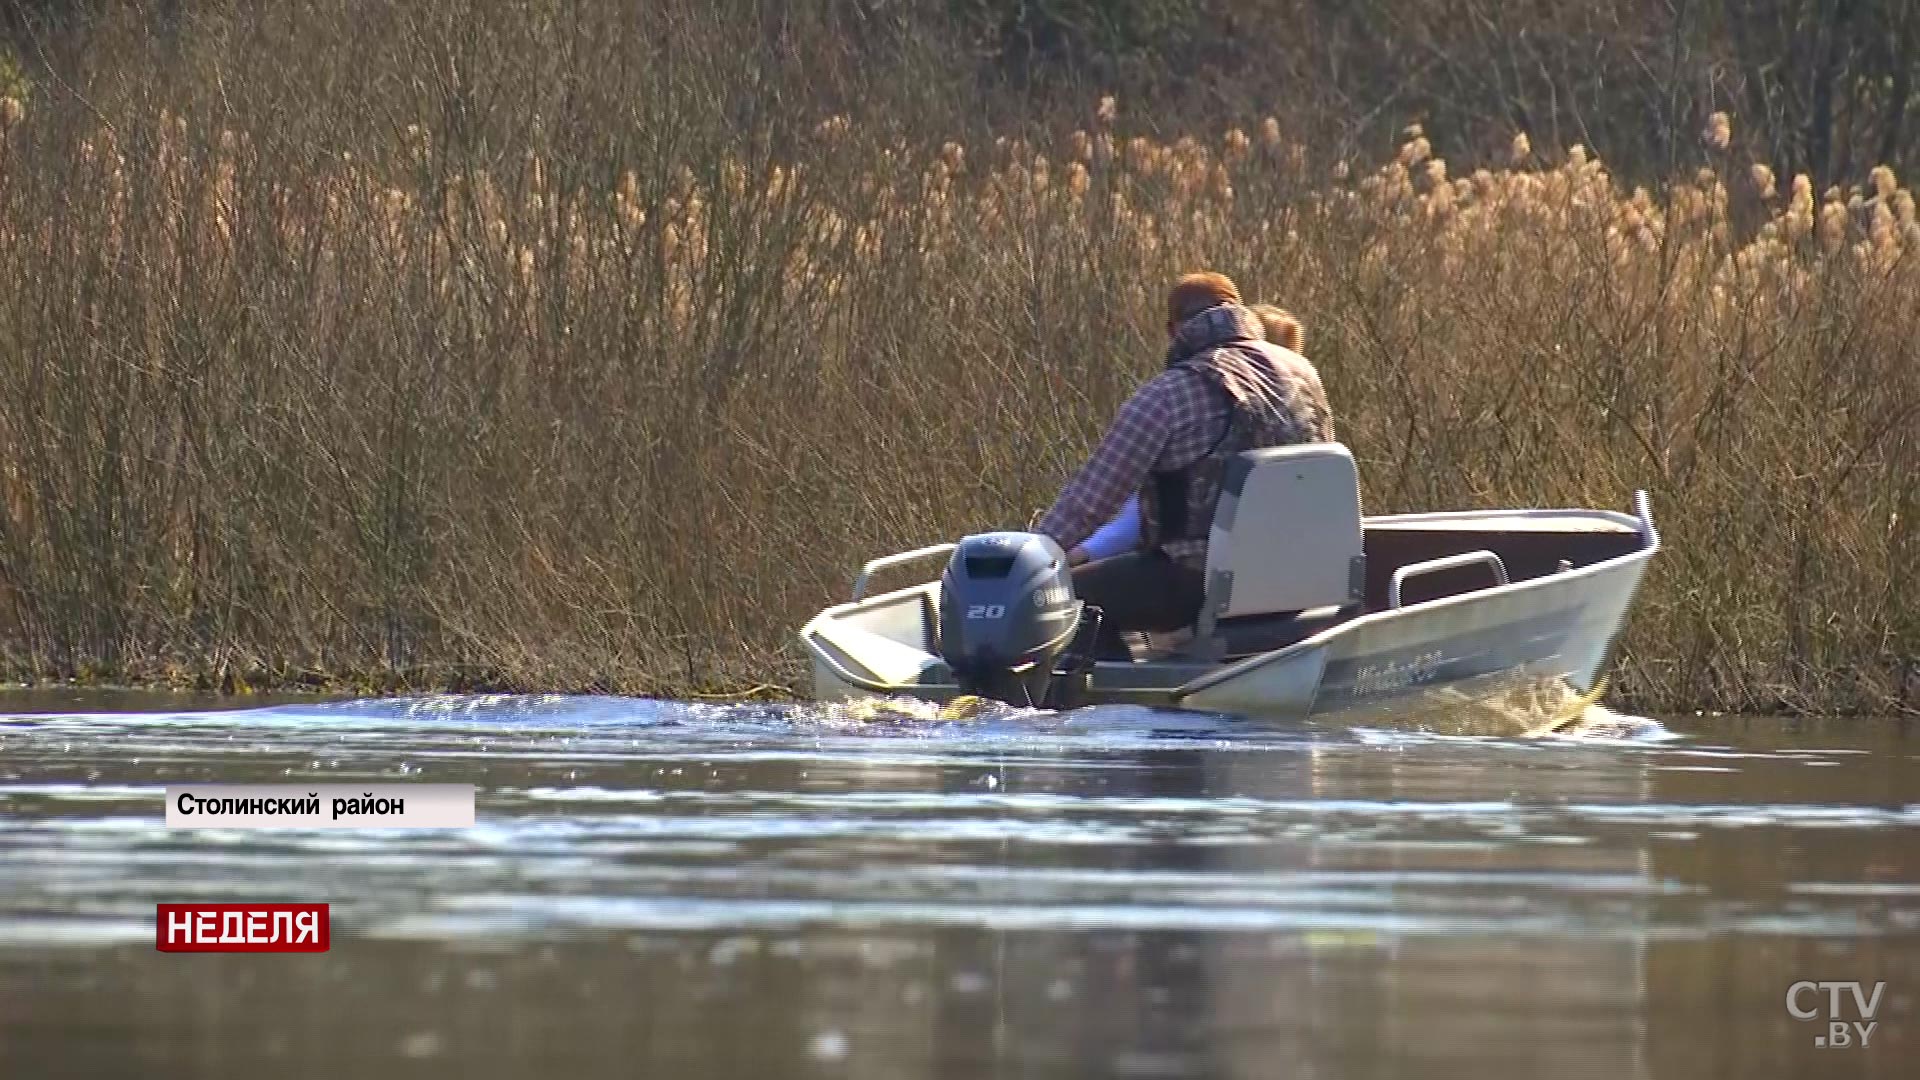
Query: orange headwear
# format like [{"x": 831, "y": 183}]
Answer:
[{"x": 1195, "y": 293}]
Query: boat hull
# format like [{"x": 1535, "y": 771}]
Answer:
[
  {"x": 1552, "y": 628},
  {"x": 1557, "y": 626}
]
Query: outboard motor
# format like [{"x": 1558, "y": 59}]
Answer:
[{"x": 1007, "y": 613}]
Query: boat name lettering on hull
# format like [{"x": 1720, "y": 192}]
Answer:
[{"x": 1388, "y": 677}]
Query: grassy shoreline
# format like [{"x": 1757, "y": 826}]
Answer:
[
  {"x": 240, "y": 692},
  {"x": 239, "y": 689},
  {"x": 562, "y": 353}
]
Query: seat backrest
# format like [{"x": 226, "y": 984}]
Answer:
[{"x": 1286, "y": 534}]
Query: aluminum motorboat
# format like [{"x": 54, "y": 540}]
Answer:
[{"x": 1311, "y": 608}]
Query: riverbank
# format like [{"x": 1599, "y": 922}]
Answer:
[
  {"x": 240, "y": 690},
  {"x": 544, "y": 382},
  {"x": 263, "y": 690}
]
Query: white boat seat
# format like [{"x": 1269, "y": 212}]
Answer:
[{"x": 1285, "y": 558}]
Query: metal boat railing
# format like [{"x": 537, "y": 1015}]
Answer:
[{"x": 1445, "y": 562}]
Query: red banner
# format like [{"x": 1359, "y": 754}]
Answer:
[{"x": 241, "y": 928}]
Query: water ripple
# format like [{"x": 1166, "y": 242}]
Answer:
[{"x": 611, "y": 815}]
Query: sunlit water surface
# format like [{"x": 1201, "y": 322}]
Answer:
[{"x": 687, "y": 890}]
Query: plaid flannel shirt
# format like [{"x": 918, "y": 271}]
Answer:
[{"x": 1169, "y": 423}]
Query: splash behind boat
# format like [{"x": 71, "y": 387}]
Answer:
[{"x": 1310, "y": 608}]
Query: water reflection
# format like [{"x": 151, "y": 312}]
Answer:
[{"x": 706, "y": 892}]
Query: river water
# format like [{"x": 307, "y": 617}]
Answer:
[{"x": 700, "y": 891}]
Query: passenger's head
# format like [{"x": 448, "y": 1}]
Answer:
[
  {"x": 1195, "y": 293},
  {"x": 1282, "y": 328}
]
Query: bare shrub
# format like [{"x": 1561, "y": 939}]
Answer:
[{"x": 429, "y": 345}]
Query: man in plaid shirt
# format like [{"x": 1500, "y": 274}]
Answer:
[{"x": 1225, "y": 390}]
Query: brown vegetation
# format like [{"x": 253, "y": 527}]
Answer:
[{"x": 419, "y": 345}]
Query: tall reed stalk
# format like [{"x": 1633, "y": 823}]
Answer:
[{"x": 557, "y": 348}]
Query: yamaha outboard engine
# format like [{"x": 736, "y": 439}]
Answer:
[{"x": 1007, "y": 613}]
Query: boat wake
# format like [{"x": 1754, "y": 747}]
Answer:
[
  {"x": 868, "y": 714},
  {"x": 1532, "y": 707},
  {"x": 1537, "y": 708},
  {"x": 1597, "y": 722},
  {"x": 1528, "y": 707}
]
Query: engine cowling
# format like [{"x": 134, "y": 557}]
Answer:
[{"x": 1007, "y": 610}]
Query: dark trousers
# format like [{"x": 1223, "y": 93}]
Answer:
[{"x": 1139, "y": 591}]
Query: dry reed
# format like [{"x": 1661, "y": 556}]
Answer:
[{"x": 504, "y": 376}]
